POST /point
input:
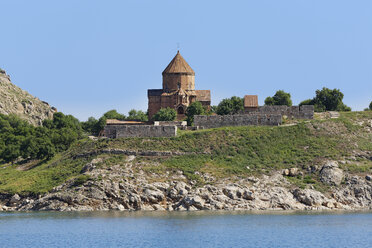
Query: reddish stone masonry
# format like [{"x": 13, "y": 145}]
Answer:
[{"x": 178, "y": 90}]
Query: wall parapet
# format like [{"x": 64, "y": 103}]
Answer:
[
  {"x": 296, "y": 112},
  {"x": 214, "y": 121},
  {"x": 125, "y": 131},
  {"x": 179, "y": 124}
]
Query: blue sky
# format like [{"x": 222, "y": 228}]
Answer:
[{"x": 87, "y": 57}]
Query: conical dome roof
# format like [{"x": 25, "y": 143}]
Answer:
[{"x": 178, "y": 65}]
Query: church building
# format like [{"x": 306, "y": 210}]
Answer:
[{"x": 178, "y": 90}]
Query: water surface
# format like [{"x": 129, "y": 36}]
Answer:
[{"x": 187, "y": 229}]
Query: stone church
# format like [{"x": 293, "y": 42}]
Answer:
[{"x": 178, "y": 90}]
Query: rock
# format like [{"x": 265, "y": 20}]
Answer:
[
  {"x": 198, "y": 202},
  {"x": 154, "y": 196},
  {"x": 293, "y": 172},
  {"x": 285, "y": 172},
  {"x": 368, "y": 177},
  {"x": 130, "y": 158},
  {"x": 16, "y": 101},
  {"x": 158, "y": 207},
  {"x": 232, "y": 192},
  {"x": 121, "y": 207},
  {"x": 328, "y": 204},
  {"x": 309, "y": 197},
  {"x": 248, "y": 195},
  {"x": 15, "y": 199},
  {"x": 161, "y": 186},
  {"x": 88, "y": 167},
  {"x": 330, "y": 174}
]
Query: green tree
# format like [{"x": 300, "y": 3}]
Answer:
[
  {"x": 307, "y": 102},
  {"x": 230, "y": 106},
  {"x": 370, "y": 105},
  {"x": 165, "y": 114},
  {"x": 280, "y": 98},
  {"x": 137, "y": 115},
  {"x": 46, "y": 148},
  {"x": 11, "y": 152},
  {"x": 113, "y": 114},
  {"x": 213, "y": 109},
  {"x": 329, "y": 100},
  {"x": 90, "y": 125},
  {"x": 195, "y": 108}
]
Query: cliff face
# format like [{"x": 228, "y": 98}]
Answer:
[{"x": 14, "y": 100}]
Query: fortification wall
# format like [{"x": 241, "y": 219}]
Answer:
[
  {"x": 170, "y": 123},
  {"x": 124, "y": 131},
  {"x": 213, "y": 121},
  {"x": 295, "y": 112}
]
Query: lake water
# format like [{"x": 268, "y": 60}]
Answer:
[{"x": 190, "y": 229}]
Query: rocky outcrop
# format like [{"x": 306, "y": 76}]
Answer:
[
  {"x": 331, "y": 174},
  {"x": 14, "y": 100},
  {"x": 127, "y": 188}
]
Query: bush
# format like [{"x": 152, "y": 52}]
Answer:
[
  {"x": 20, "y": 139},
  {"x": 195, "y": 108},
  {"x": 307, "y": 102},
  {"x": 165, "y": 114},
  {"x": 80, "y": 180},
  {"x": 370, "y": 105},
  {"x": 137, "y": 115},
  {"x": 113, "y": 114},
  {"x": 230, "y": 106},
  {"x": 327, "y": 100},
  {"x": 280, "y": 98}
]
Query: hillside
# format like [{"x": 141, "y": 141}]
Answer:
[
  {"x": 14, "y": 100},
  {"x": 318, "y": 164}
]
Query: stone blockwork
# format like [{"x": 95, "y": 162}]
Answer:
[
  {"x": 179, "y": 124},
  {"x": 295, "y": 112},
  {"x": 178, "y": 90},
  {"x": 213, "y": 121},
  {"x": 123, "y": 131}
]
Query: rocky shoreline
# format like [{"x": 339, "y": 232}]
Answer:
[{"x": 121, "y": 188}]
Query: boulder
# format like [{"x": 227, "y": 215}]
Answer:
[
  {"x": 285, "y": 172},
  {"x": 330, "y": 173},
  {"x": 15, "y": 199},
  {"x": 195, "y": 201},
  {"x": 232, "y": 192},
  {"x": 309, "y": 197},
  {"x": 154, "y": 196},
  {"x": 248, "y": 195},
  {"x": 293, "y": 172}
]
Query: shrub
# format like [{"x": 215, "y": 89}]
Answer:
[
  {"x": 80, "y": 180},
  {"x": 280, "y": 98},
  {"x": 165, "y": 114},
  {"x": 137, "y": 115},
  {"x": 230, "y": 106},
  {"x": 195, "y": 108},
  {"x": 113, "y": 114},
  {"x": 327, "y": 100}
]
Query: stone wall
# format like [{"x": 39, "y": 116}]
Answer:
[
  {"x": 124, "y": 131},
  {"x": 213, "y": 121},
  {"x": 170, "y": 123},
  {"x": 296, "y": 112}
]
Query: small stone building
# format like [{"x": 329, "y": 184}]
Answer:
[{"x": 178, "y": 90}]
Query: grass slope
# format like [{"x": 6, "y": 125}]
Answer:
[{"x": 221, "y": 152}]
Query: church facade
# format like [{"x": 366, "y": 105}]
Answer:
[{"x": 178, "y": 90}]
